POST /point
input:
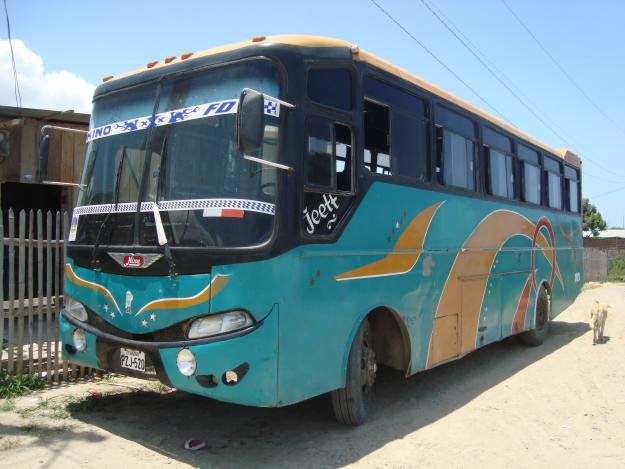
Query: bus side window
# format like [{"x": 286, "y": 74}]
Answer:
[
  {"x": 571, "y": 189},
  {"x": 498, "y": 163},
  {"x": 343, "y": 157},
  {"x": 455, "y": 149},
  {"x": 395, "y": 131},
  {"x": 500, "y": 180},
  {"x": 531, "y": 183},
  {"x": 530, "y": 174},
  {"x": 554, "y": 182},
  {"x": 455, "y": 159},
  {"x": 319, "y": 169},
  {"x": 377, "y": 138},
  {"x": 329, "y": 155},
  {"x": 330, "y": 87},
  {"x": 409, "y": 143}
]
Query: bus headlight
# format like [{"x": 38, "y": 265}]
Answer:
[
  {"x": 185, "y": 361},
  {"x": 79, "y": 339},
  {"x": 75, "y": 309},
  {"x": 219, "y": 324}
]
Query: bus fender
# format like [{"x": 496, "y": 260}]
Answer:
[{"x": 387, "y": 324}]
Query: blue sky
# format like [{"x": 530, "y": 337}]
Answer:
[{"x": 71, "y": 45}]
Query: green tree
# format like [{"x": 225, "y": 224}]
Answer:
[{"x": 593, "y": 222}]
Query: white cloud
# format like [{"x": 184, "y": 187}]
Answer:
[{"x": 56, "y": 90}]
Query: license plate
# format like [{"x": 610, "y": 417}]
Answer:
[{"x": 132, "y": 359}]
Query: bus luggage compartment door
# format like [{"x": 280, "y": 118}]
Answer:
[{"x": 445, "y": 345}]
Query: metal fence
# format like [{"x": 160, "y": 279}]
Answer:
[{"x": 32, "y": 256}]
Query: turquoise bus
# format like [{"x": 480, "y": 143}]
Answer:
[{"x": 268, "y": 221}]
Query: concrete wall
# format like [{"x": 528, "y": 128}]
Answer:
[{"x": 595, "y": 265}]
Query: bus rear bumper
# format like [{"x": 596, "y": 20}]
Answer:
[{"x": 241, "y": 369}]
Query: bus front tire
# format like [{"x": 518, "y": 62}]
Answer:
[
  {"x": 537, "y": 335},
  {"x": 351, "y": 402}
]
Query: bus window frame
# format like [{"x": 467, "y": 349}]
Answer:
[
  {"x": 553, "y": 161},
  {"x": 537, "y": 163},
  {"x": 485, "y": 163},
  {"x": 364, "y": 135},
  {"x": 475, "y": 138},
  {"x": 568, "y": 180},
  {"x": 427, "y": 100},
  {"x": 307, "y": 187},
  {"x": 487, "y": 173}
]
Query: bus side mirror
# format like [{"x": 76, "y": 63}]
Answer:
[
  {"x": 250, "y": 121},
  {"x": 44, "y": 148}
]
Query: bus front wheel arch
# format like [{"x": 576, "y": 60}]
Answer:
[
  {"x": 380, "y": 338},
  {"x": 391, "y": 340},
  {"x": 536, "y": 335}
]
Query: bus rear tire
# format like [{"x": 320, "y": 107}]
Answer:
[
  {"x": 351, "y": 402},
  {"x": 537, "y": 335}
]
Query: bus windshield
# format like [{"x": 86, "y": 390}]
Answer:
[{"x": 174, "y": 143}]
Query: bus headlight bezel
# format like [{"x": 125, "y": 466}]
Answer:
[
  {"x": 217, "y": 324},
  {"x": 75, "y": 309}
]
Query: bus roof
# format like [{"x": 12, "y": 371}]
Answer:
[{"x": 365, "y": 57}]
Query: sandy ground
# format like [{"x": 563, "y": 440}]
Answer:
[{"x": 558, "y": 405}]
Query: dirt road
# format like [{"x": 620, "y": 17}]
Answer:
[{"x": 558, "y": 405}]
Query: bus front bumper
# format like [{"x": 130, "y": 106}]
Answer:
[{"x": 239, "y": 367}]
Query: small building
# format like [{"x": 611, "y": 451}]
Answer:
[
  {"x": 608, "y": 240},
  {"x": 26, "y": 182}
]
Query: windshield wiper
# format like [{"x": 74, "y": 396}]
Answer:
[
  {"x": 95, "y": 264},
  {"x": 162, "y": 240},
  {"x": 158, "y": 222}
]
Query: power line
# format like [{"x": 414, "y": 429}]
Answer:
[
  {"x": 611, "y": 171},
  {"x": 510, "y": 90},
  {"x": 607, "y": 193},
  {"x": 564, "y": 72},
  {"x": 437, "y": 59},
  {"x": 16, "y": 86},
  {"x": 587, "y": 174},
  {"x": 471, "y": 48},
  {"x": 516, "y": 87},
  {"x": 397, "y": 23}
]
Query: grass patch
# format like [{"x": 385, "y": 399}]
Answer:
[
  {"x": 7, "y": 406},
  {"x": 41, "y": 430},
  {"x": 616, "y": 269},
  {"x": 161, "y": 388},
  {"x": 46, "y": 408},
  {"x": 92, "y": 403},
  {"x": 18, "y": 385}
]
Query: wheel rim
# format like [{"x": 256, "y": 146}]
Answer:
[
  {"x": 368, "y": 365},
  {"x": 542, "y": 311}
]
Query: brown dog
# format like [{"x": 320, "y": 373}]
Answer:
[{"x": 598, "y": 315}]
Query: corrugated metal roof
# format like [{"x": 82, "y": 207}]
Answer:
[
  {"x": 48, "y": 115},
  {"x": 616, "y": 233}
]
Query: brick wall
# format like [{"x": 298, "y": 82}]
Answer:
[{"x": 605, "y": 243}]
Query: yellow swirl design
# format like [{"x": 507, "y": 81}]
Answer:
[
  {"x": 76, "y": 280},
  {"x": 210, "y": 291}
]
